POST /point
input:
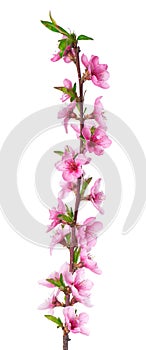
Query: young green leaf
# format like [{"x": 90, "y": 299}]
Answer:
[
  {"x": 55, "y": 28},
  {"x": 63, "y": 44},
  {"x": 65, "y": 218},
  {"x": 52, "y": 19},
  {"x": 67, "y": 237},
  {"x": 60, "y": 153},
  {"x": 84, "y": 37},
  {"x": 76, "y": 254},
  {"x": 85, "y": 185},
  {"x": 74, "y": 87},
  {"x": 55, "y": 320},
  {"x": 61, "y": 280},
  {"x": 69, "y": 211},
  {"x": 62, "y": 88},
  {"x": 56, "y": 282}
]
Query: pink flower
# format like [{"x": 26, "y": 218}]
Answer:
[
  {"x": 66, "y": 188},
  {"x": 71, "y": 167},
  {"x": 86, "y": 234},
  {"x": 96, "y": 139},
  {"x": 54, "y": 215},
  {"x": 96, "y": 72},
  {"x": 87, "y": 262},
  {"x": 79, "y": 286},
  {"x": 97, "y": 197},
  {"x": 75, "y": 324},
  {"x": 67, "y": 113},
  {"x": 67, "y": 84},
  {"x": 50, "y": 303},
  {"x": 59, "y": 237}
]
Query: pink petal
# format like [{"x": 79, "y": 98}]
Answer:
[
  {"x": 60, "y": 165},
  {"x": 83, "y": 317},
  {"x": 95, "y": 81},
  {"x": 82, "y": 159},
  {"x": 56, "y": 57},
  {"x": 84, "y": 330},
  {"x": 67, "y": 83},
  {"x": 86, "y": 133},
  {"x": 67, "y": 59},
  {"x": 65, "y": 97},
  {"x": 97, "y": 226},
  {"x": 69, "y": 278},
  {"x": 103, "y": 84},
  {"x": 76, "y": 128},
  {"x": 89, "y": 220},
  {"x": 66, "y": 120},
  {"x": 45, "y": 305},
  {"x": 95, "y": 60},
  {"x": 84, "y": 60}
]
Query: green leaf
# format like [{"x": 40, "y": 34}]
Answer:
[
  {"x": 55, "y": 320},
  {"x": 65, "y": 218},
  {"x": 69, "y": 211},
  {"x": 85, "y": 185},
  {"x": 74, "y": 87},
  {"x": 76, "y": 254},
  {"x": 62, "y": 88},
  {"x": 59, "y": 152},
  {"x": 55, "y": 28},
  {"x": 63, "y": 44},
  {"x": 84, "y": 37},
  {"x": 67, "y": 237},
  {"x": 56, "y": 282},
  {"x": 61, "y": 280},
  {"x": 51, "y": 18}
]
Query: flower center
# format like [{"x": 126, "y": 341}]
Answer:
[{"x": 72, "y": 166}]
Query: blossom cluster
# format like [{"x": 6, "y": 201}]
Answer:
[{"x": 70, "y": 285}]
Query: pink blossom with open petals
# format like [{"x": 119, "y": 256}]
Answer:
[
  {"x": 54, "y": 215},
  {"x": 67, "y": 113},
  {"x": 87, "y": 233},
  {"x": 59, "y": 235},
  {"x": 80, "y": 287},
  {"x": 66, "y": 188},
  {"x": 75, "y": 323},
  {"x": 72, "y": 167},
  {"x": 96, "y": 139},
  {"x": 49, "y": 304},
  {"x": 86, "y": 261},
  {"x": 68, "y": 85},
  {"x": 95, "y": 71},
  {"x": 97, "y": 196}
]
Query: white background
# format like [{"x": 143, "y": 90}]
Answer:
[{"x": 27, "y": 79}]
